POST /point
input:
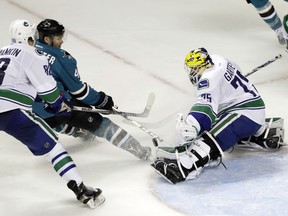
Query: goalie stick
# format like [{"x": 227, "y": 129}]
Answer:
[
  {"x": 264, "y": 65},
  {"x": 143, "y": 114}
]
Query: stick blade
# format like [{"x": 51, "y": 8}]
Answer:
[{"x": 149, "y": 104}]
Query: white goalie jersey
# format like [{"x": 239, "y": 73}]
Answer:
[
  {"x": 223, "y": 88},
  {"x": 24, "y": 72}
]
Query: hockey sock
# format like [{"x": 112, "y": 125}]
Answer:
[
  {"x": 120, "y": 138},
  {"x": 63, "y": 163},
  {"x": 268, "y": 14}
]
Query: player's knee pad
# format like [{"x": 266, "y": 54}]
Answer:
[{"x": 85, "y": 120}]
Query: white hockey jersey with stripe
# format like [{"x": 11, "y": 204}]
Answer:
[{"x": 24, "y": 72}]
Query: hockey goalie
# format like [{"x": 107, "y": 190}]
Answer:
[{"x": 228, "y": 112}]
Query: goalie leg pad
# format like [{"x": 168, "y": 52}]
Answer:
[
  {"x": 189, "y": 164},
  {"x": 170, "y": 152}
]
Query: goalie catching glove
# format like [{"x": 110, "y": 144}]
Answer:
[
  {"x": 186, "y": 131},
  {"x": 187, "y": 162}
]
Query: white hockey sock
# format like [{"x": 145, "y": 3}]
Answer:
[{"x": 63, "y": 163}]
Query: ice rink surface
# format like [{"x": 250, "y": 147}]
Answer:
[{"x": 129, "y": 48}]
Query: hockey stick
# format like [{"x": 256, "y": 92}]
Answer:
[
  {"x": 155, "y": 137},
  {"x": 143, "y": 114},
  {"x": 264, "y": 65}
]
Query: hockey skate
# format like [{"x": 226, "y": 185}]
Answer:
[
  {"x": 87, "y": 195},
  {"x": 272, "y": 138},
  {"x": 189, "y": 164},
  {"x": 281, "y": 35}
]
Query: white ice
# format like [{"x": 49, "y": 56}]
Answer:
[{"x": 129, "y": 48}]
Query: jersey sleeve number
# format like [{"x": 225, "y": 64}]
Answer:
[
  {"x": 4, "y": 62},
  {"x": 240, "y": 80}
]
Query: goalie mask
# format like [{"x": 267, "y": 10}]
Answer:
[
  {"x": 196, "y": 62},
  {"x": 21, "y": 31}
]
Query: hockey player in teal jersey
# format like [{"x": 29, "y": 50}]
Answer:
[
  {"x": 269, "y": 15},
  {"x": 65, "y": 71},
  {"x": 25, "y": 72},
  {"x": 228, "y": 111}
]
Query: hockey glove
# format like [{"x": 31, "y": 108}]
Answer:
[
  {"x": 185, "y": 130},
  {"x": 105, "y": 102},
  {"x": 60, "y": 107}
]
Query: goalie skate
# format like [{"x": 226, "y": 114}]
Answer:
[{"x": 271, "y": 138}]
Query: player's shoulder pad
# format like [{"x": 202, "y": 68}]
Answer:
[{"x": 204, "y": 83}]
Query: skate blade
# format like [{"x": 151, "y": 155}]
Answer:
[
  {"x": 255, "y": 147},
  {"x": 97, "y": 202}
]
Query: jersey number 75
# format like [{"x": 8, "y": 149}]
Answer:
[{"x": 240, "y": 80}]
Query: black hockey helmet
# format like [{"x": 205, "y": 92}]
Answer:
[{"x": 49, "y": 27}]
